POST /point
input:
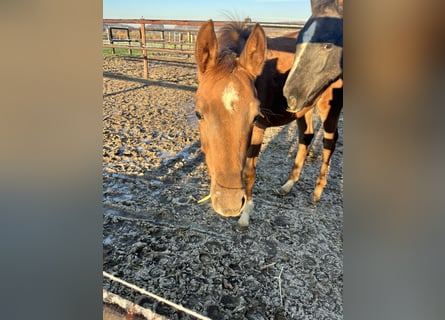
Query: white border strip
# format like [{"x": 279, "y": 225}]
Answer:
[{"x": 154, "y": 296}]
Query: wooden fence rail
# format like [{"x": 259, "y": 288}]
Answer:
[{"x": 179, "y": 45}]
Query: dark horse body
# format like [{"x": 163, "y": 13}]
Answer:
[{"x": 240, "y": 94}]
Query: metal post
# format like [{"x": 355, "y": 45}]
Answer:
[
  {"x": 144, "y": 51},
  {"x": 129, "y": 41},
  {"x": 163, "y": 38},
  {"x": 110, "y": 39}
]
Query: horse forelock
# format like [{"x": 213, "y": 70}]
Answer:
[
  {"x": 233, "y": 36},
  {"x": 227, "y": 61},
  {"x": 231, "y": 40}
]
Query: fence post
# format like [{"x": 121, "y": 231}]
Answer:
[
  {"x": 110, "y": 39},
  {"x": 129, "y": 41},
  {"x": 163, "y": 37},
  {"x": 144, "y": 51}
]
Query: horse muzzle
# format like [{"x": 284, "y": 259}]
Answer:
[
  {"x": 292, "y": 104},
  {"x": 229, "y": 202}
]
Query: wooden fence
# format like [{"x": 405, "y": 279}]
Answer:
[{"x": 165, "y": 36}]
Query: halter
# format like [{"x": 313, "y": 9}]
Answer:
[
  {"x": 230, "y": 188},
  {"x": 322, "y": 30}
]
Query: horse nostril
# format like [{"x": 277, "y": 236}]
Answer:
[
  {"x": 292, "y": 102},
  {"x": 243, "y": 202}
]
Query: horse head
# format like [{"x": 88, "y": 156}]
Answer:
[
  {"x": 318, "y": 58},
  {"x": 226, "y": 106}
]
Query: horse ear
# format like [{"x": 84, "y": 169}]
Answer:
[
  {"x": 206, "y": 48},
  {"x": 254, "y": 52}
]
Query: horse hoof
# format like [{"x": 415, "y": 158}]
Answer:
[
  {"x": 285, "y": 189},
  {"x": 314, "y": 199},
  {"x": 243, "y": 221}
]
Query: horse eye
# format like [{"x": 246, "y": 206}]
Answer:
[
  {"x": 327, "y": 46},
  {"x": 199, "y": 115}
]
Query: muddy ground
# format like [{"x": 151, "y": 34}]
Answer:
[{"x": 286, "y": 265}]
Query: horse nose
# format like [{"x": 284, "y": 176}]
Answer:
[
  {"x": 236, "y": 212},
  {"x": 291, "y": 104},
  {"x": 229, "y": 207},
  {"x": 243, "y": 203}
]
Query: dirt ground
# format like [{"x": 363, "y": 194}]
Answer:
[{"x": 286, "y": 265}]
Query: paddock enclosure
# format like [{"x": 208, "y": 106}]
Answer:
[{"x": 286, "y": 265}]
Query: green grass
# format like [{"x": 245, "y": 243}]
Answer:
[{"x": 107, "y": 52}]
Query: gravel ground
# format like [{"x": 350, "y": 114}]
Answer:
[{"x": 286, "y": 265}]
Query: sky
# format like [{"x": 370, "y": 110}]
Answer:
[{"x": 257, "y": 10}]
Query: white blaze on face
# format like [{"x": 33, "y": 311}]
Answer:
[
  {"x": 307, "y": 37},
  {"x": 230, "y": 97},
  {"x": 301, "y": 50}
]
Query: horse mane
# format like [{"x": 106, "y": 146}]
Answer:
[
  {"x": 320, "y": 6},
  {"x": 231, "y": 41}
]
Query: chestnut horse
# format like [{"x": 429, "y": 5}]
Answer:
[{"x": 241, "y": 77}]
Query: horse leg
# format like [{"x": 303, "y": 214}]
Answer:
[
  {"x": 305, "y": 133},
  {"x": 249, "y": 172},
  {"x": 329, "y": 108},
  {"x": 329, "y": 142}
]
